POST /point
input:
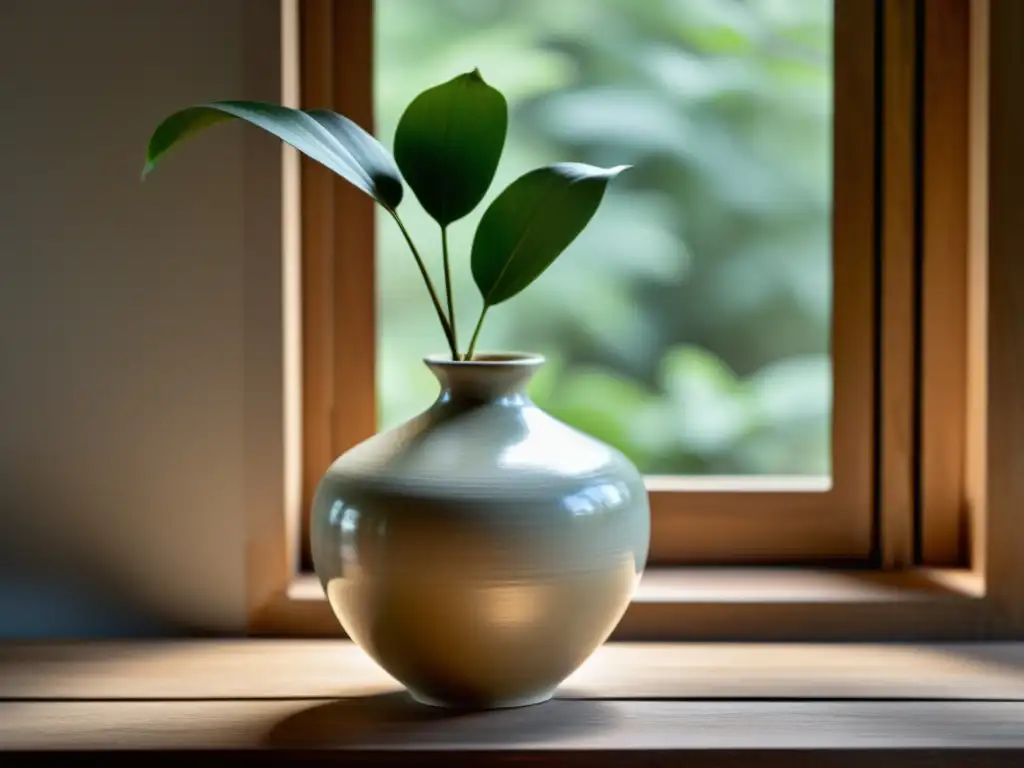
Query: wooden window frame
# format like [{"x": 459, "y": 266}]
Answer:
[
  {"x": 916, "y": 344},
  {"x": 694, "y": 520}
]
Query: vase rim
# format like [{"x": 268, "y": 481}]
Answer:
[{"x": 499, "y": 360}]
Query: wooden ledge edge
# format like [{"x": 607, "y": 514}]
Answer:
[{"x": 751, "y": 604}]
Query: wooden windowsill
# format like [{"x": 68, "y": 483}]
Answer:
[
  {"x": 703, "y": 703},
  {"x": 712, "y": 604},
  {"x": 773, "y": 585}
]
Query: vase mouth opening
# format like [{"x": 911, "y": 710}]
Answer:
[
  {"x": 488, "y": 360},
  {"x": 488, "y": 376}
]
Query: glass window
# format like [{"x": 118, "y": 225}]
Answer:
[{"x": 689, "y": 325}]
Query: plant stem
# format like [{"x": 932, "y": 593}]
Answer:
[
  {"x": 445, "y": 325},
  {"x": 476, "y": 333},
  {"x": 448, "y": 293}
]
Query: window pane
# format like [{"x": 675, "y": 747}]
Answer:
[{"x": 689, "y": 324}]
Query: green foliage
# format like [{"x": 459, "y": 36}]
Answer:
[
  {"x": 529, "y": 225},
  {"x": 531, "y": 222},
  {"x": 329, "y": 138},
  {"x": 448, "y": 144},
  {"x": 689, "y": 323}
]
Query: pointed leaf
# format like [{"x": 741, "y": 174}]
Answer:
[
  {"x": 331, "y": 139},
  {"x": 448, "y": 144},
  {"x": 530, "y": 223}
]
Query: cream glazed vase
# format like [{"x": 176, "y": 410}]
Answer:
[{"x": 483, "y": 550}]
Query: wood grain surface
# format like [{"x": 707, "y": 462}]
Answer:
[
  {"x": 391, "y": 723},
  {"x": 631, "y": 704},
  {"x": 330, "y": 669}
]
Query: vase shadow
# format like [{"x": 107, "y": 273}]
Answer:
[{"x": 395, "y": 719}]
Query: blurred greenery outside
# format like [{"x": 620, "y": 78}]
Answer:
[{"x": 689, "y": 324}]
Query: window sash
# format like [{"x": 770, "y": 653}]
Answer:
[
  {"x": 909, "y": 604},
  {"x": 733, "y": 523}
]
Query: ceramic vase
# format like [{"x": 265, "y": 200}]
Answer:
[{"x": 483, "y": 550}]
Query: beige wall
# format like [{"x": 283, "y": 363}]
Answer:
[{"x": 140, "y": 384}]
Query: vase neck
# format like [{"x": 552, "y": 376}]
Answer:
[{"x": 488, "y": 377}]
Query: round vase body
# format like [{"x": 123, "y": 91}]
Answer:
[{"x": 483, "y": 550}]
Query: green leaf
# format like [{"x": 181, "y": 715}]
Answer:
[
  {"x": 331, "y": 139},
  {"x": 448, "y": 144},
  {"x": 530, "y": 223}
]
